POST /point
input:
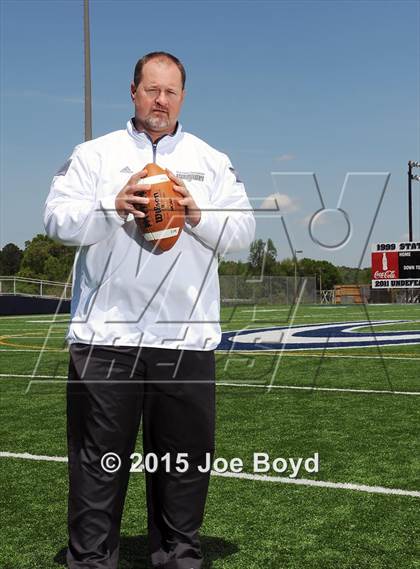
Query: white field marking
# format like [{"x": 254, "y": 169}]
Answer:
[
  {"x": 248, "y": 476},
  {"x": 48, "y": 321},
  {"x": 392, "y": 323},
  {"x": 371, "y": 308},
  {"x": 15, "y": 330},
  {"x": 28, "y": 456},
  {"x": 327, "y": 307},
  {"x": 59, "y": 378},
  {"x": 321, "y": 317},
  {"x": 27, "y": 376},
  {"x": 33, "y": 330},
  {"x": 267, "y": 310},
  {"x": 296, "y": 354},
  {"x": 290, "y": 354},
  {"x": 36, "y": 350},
  {"x": 348, "y": 314},
  {"x": 319, "y": 483},
  {"x": 309, "y": 388},
  {"x": 23, "y": 316},
  {"x": 30, "y": 335}
]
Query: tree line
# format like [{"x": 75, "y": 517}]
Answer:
[
  {"x": 262, "y": 260},
  {"x": 43, "y": 258}
]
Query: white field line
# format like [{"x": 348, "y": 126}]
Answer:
[
  {"x": 252, "y": 311},
  {"x": 372, "y": 308},
  {"x": 48, "y": 321},
  {"x": 254, "y": 477},
  {"x": 10, "y": 329},
  {"x": 37, "y": 316},
  {"x": 36, "y": 350},
  {"x": 28, "y": 456},
  {"x": 319, "y": 483},
  {"x": 310, "y": 388},
  {"x": 291, "y": 353},
  {"x": 30, "y": 336},
  {"x": 33, "y": 330},
  {"x": 60, "y": 378},
  {"x": 296, "y": 354},
  {"x": 328, "y": 307},
  {"x": 34, "y": 377}
]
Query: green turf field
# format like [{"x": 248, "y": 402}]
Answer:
[{"x": 359, "y": 409}]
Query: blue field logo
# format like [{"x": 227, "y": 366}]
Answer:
[{"x": 317, "y": 336}]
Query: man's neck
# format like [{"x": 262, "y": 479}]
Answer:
[{"x": 154, "y": 136}]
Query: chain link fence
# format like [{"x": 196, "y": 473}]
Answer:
[
  {"x": 267, "y": 290},
  {"x": 234, "y": 289}
]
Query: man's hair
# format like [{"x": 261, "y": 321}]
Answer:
[{"x": 157, "y": 55}]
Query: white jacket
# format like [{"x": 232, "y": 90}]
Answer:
[{"x": 124, "y": 293}]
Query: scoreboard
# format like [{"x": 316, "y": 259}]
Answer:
[{"x": 396, "y": 265}]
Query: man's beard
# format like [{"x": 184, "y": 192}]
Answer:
[{"x": 157, "y": 123}]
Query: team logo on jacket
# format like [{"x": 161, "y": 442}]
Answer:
[
  {"x": 318, "y": 336},
  {"x": 191, "y": 176}
]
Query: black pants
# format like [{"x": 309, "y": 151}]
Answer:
[{"x": 110, "y": 389}]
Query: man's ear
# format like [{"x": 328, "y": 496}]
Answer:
[{"x": 133, "y": 90}]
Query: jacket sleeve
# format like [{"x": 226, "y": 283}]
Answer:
[
  {"x": 72, "y": 214},
  {"x": 227, "y": 223}
]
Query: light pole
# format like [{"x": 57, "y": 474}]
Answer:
[
  {"x": 295, "y": 253},
  {"x": 88, "y": 90},
  {"x": 411, "y": 164}
]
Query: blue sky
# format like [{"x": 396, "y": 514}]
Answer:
[{"x": 324, "y": 87}]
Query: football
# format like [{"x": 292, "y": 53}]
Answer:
[{"x": 164, "y": 217}]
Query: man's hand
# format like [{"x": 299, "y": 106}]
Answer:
[
  {"x": 193, "y": 212},
  {"x": 128, "y": 198}
]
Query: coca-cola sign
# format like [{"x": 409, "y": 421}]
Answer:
[
  {"x": 384, "y": 275},
  {"x": 385, "y": 265}
]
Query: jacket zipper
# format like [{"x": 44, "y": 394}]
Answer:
[{"x": 154, "y": 144}]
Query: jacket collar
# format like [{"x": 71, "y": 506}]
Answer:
[{"x": 143, "y": 139}]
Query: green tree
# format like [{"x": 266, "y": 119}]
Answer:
[
  {"x": 10, "y": 258},
  {"x": 328, "y": 273},
  {"x": 351, "y": 275},
  {"x": 45, "y": 259},
  {"x": 324, "y": 271},
  {"x": 233, "y": 268},
  {"x": 262, "y": 254},
  {"x": 286, "y": 267}
]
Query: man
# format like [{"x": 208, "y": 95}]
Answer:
[{"x": 144, "y": 324}]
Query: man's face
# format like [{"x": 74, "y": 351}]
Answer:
[{"x": 158, "y": 97}]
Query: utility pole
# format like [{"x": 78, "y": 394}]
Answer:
[
  {"x": 88, "y": 89},
  {"x": 411, "y": 164}
]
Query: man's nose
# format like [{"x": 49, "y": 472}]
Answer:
[{"x": 162, "y": 99}]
